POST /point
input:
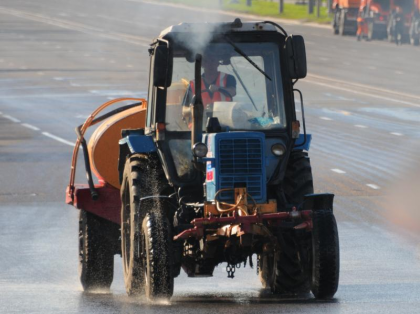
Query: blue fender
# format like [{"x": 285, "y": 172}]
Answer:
[
  {"x": 138, "y": 143},
  {"x": 300, "y": 141}
]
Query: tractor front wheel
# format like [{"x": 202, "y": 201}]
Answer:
[
  {"x": 145, "y": 230},
  {"x": 96, "y": 252},
  {"x": 325, "y": 255},
  {"x": 156, "y": 255}
]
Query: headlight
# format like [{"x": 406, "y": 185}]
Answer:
[
  {"x": 278, "y": 149},
  {"x": 200, "y": 150}
]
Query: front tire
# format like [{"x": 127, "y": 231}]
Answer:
[
  {"x": 130, "y": 235},
  {"x": 96, "y": 252},
  {"x": 145, "y": 230},
  {"x": 156, "y": 255},
  {"x": 325, "y": 255}
]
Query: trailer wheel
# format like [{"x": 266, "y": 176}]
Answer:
[
  {"x": 325, "y": 255},
  {"x": 156, "y": 255},
  {"x": 298, "y": 179},
  {"x": 96, "y": 252},
  {"x": 142, "y": 178}
]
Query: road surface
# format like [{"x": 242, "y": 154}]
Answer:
[{"x": 60, "y": 59}]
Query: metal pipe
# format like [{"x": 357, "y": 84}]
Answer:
[{"x": 197, "y": 106}]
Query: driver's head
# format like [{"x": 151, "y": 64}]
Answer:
[{"x": 210, "y": 62}]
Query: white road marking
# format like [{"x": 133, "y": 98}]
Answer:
[
  {"x": 323, "y": 59},
  {"x": 67, "y": 24},
  {"x": 11, "y": 118},
  {"x": 365, "y": 94},
  {"x": 81, "y": 116},
  {"x": 325, "y": 118},
  {"x": 29, "y": 126},
  {"x": 373, "y": 186},
  {"x": 357, "y": 86},
  {"x": 361, "y": 126},
  {"x": 58, "y": 139},
  {"x": 338, "y": 171},
  {"x": 396, "y": 134}
]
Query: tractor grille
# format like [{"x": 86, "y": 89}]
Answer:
[{"x": 241, "y": 164}]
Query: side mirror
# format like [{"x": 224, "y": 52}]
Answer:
[
  {"x": 296, "y": 54},
  {"x": 162, "y": 67}
]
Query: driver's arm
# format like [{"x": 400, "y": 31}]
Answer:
[{"x": 230, "y": 86}]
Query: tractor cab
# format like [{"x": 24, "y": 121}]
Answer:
[{"x": 238, "y": 78}]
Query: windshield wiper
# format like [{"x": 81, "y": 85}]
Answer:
[
  {"x": 243, "y": 85},
  {"x": 243, "y": 54}
]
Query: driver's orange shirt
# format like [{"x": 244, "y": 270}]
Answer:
[{"x": 207, "y": 96}]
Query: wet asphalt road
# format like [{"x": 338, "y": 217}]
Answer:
[{"x": 60, "y": 59}]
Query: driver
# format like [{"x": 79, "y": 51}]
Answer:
[{"x": 215, "y": 85}]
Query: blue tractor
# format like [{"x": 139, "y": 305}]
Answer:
[{"x": 220, "y": 171}]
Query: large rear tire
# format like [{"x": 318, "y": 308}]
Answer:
[
  {"x": 286, "y": 270},
  {"x": 96, "y": 251},
  {"x": 298, "y": 180},
  {"x": 325, "y": 255},
  {"x": 145, "y": 230}
]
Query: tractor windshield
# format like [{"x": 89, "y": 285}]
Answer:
[{"x": 233, "y": 89}]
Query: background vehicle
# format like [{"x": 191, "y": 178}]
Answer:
[
  {"x": 402, "y": 14},
  {"x": 201, "y": 186},
  {"x": 415, "y": 24},
  {"x": 377, "y": 15},
  {"x": 345, "y": 16}
]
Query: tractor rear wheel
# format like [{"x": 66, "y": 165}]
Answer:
[
  {"x": 145, "y": 230},
  {"x": 287, "y": 269},
  {"x": 298, "y": 179},
  {"x": 96, "y": 252},
  {"x": 325, "y": 255}
]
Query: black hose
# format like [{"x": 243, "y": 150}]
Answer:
[{"x": 92, "y": 189}]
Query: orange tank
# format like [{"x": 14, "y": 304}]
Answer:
[{"x": 103, "y": 145}]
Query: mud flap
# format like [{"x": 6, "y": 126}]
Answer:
[{"x": 318, "y": 201}]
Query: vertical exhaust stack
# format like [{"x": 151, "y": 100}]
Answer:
[{"x": 197, "y": 106}]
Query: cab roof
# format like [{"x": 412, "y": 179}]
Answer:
[{"x": 236, "y": 26}]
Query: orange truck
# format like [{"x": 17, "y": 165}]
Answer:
[
  {"x": 345, "y": 16},
  {"x": 415, "y": 24},
  {"x": 376, "y": 14},
  {"x": 402, "y": 13}
]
